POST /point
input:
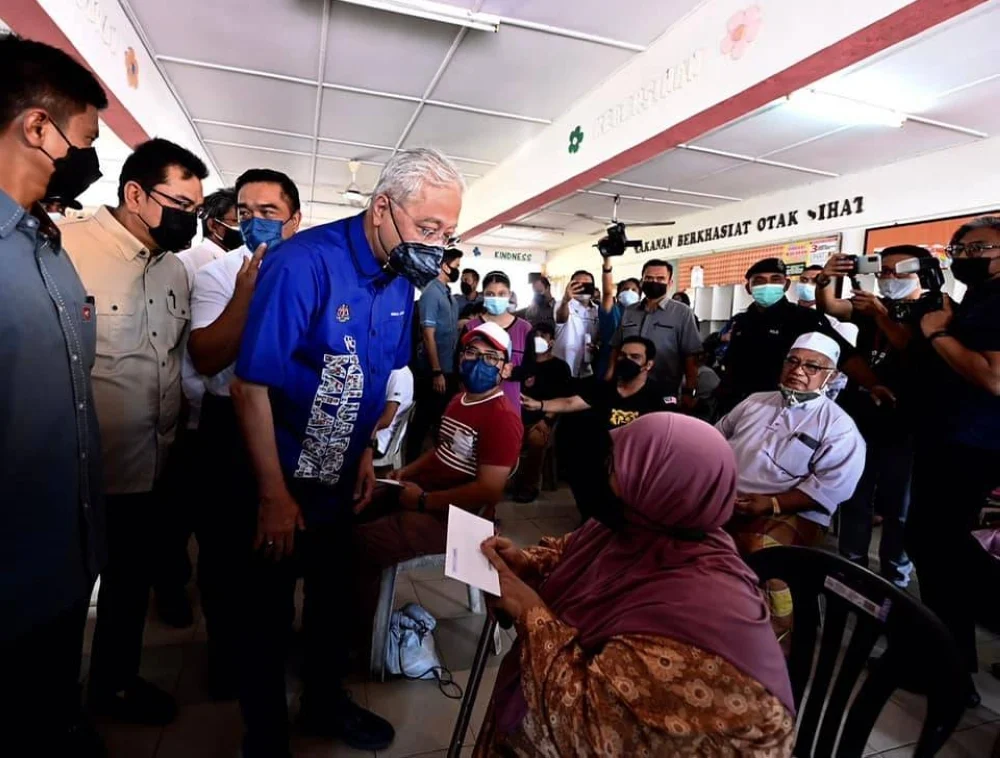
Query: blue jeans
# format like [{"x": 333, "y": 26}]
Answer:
[{"x": 884, "y": 488}]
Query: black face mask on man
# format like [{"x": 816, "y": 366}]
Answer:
[
  {"x": 627, "y": 370},
  {"x": 453, "y": 275},
  {"x": 74, "y": 172},
  {"x": 230, "y": 238},
  {"x": 654, "y": 290},
  {"x": 176, "y": 228},
  {"x": 971, "y": 271},
  {"x": 414, "y": 261}
]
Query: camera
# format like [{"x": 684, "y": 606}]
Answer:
[
  {"x": 865, "y": 264},
  {"x": 928, "y": 271},
  {"x": 616, "y": 242}
]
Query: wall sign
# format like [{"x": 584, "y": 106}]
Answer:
[
  {"x": 781, "y": 220},
  {"x": 515, "y": 256}
]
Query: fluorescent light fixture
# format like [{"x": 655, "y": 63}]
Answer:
[
  {"x": 842, "y": 109},
  {"x": 426, "y": 9}
]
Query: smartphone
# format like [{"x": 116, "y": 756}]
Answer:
[
  {"x": 587, "y": 288},
  {"x": 866, "y": 264},
  {"x": 533, "y": 277}
]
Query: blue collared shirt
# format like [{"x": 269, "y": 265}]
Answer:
[
  {"x": 326, "y": 326},
  {"x": 51, "y": 521}
]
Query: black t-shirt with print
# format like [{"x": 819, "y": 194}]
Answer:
[
  {"x": 615, "y": 410},
  {"x": 544, "y": 380}
]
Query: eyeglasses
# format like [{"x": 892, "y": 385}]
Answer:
[
  {"x": 489, "y": 358},
  {"x": 972, "y": 250},
  {"x": 429, "y": 235},
  {"x": 811, "y": 369},
  {"x": 180, "y": 203}
]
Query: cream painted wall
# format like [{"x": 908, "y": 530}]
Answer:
[
  {"x": 940, "y": 184},
  {"x": 680, "y": 75}
]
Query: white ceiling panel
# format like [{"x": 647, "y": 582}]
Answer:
[
  {"x": 471, "y": 135},
  {"x": 974, "y": 107},
  {"x": 236, "y": 160},
  {"x": 251, "y": 137},
  {"x": 632, "y": 210},
  {"x": 363, "y": 118},
  {"x": 352, "y": 152},
  {"x": 244, "y": 99},
  {"x": 384, "y": 51},
  {"x": 560, "y": 221},
  {"x": 862, "y": 147},
  {"x": 636, "y": 21},
  {"x": 230, "y": 33},
  {"x": 752, "y": 179},
  {"x": 767, "y": 131},
  {"x": 673, "y": 197},
  {"x": 677, "y": 168},
  {"x": 337, "y": 174},
  {"x": 942, "y": 58},
  {"x": 505, "y": 72}
]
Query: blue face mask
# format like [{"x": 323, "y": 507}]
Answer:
[
  {"x": 766, "y": 295},
  {"x": 806, "y": 291},
  {"x": 496, "y": 305},
  {"x": 627, "y": 298},
  {"x": 261, "y": 231},
  {"x": 478, "y": 377}
]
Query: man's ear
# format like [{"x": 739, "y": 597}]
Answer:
[{"x": 380, "y": 205}]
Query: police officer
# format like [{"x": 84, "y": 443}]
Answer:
[
  {"x": 330, "y": 319},
  {"x": 762, "y": 335}
]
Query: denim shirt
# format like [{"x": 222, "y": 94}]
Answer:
[{"x": 51, "y": 519}]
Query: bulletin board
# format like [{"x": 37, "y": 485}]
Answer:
[
  {"x": 923, "y": 233},
  {"x": 731, "y": 267}
]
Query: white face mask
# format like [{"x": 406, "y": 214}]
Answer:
[
  {"x": 541, "y": 346},
  {"x": 583, "y": 299},
  {"x": 898, "y": 289},
  {"x": 628, "y": 297}
]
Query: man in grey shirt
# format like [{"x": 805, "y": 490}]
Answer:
[
  {"x": 670, "y": 326},
  {"x": 51, "y": 522}
]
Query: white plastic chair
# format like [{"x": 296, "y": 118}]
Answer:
[{"x": 393, "y": 456}]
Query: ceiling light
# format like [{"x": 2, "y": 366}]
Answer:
[
  {"x": 842, "y": 109},
  {"x": 447, "y": 14}
]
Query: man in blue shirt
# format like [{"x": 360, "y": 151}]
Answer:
[
  {"x": 329, "y": 321},
  {"x": 52, "y": 519}
]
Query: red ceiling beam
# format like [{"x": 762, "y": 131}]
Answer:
[
  {"x": 905, "y": 23},
  {"x": 28, "y": 19}
]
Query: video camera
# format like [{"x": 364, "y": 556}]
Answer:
[
  {"x": 616, "y": 242},
  {"x": 928, "y": 271}
]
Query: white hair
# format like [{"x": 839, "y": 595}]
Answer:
[{"x": 408, "y": 171}]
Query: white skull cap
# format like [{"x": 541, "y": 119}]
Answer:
[{"x": 820, "y": 343}]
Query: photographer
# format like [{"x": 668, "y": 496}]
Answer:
[
  {"x": 957, "y": 453},
  {"x": 888, "y": 430}
]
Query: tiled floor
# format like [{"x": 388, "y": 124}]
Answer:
[{"x": 424, "y": 717}]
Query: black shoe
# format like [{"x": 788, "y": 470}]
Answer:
[
  {"x": 347, "y": 721},
  {"x": 174, "y": 608},
  {"x": 140, "y": 702}
]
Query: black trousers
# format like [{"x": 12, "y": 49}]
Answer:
[
  {"x": 429, "y": 408},
  {"x": 323, "y": 556},
  {"x": 958, "y": 579},
  {"x": 39, "y": 678},
  {"x": 182, "y": 492},
  {"x": 225, "y": 526},
  {"x": 134, "y": 529}
]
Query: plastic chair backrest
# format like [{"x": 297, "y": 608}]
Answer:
[
  {"x": 396, "y": 440},
  {"x": 918, "y": 644}
]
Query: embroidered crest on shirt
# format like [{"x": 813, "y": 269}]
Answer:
[
  {"x": 88, "y": 312},
  {"x": 343, "y": 313}
]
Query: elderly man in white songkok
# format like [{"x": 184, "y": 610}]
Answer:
[{"x": 798, "y": 455}]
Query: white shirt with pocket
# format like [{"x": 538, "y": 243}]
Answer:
[
  {"x": 813, "y": 447},
  {"x": 399, "y": 390},
  {"x": 571, "y": 337}
]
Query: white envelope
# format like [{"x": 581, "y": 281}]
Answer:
[{"x": 465, "y": 560}]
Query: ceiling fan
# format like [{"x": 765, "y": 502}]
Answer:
[
  {"x": 616, "y": 240},
  {"x": 353, "y": 194}
]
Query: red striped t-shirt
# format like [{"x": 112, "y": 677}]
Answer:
[{"x": 472, "y": 434}]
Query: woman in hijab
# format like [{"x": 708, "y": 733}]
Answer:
[{"x": 643, "y": 633}]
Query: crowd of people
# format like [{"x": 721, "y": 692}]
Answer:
[{"x": 276, "y": 366}]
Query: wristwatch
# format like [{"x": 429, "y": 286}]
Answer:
[
  {"x": 606, "y": 270},
  {"x": 437, "y": 373},
  {"x": 823, "y": 281},
  {"x": 372, "y": 445},
  {"x": 422, "y": 503}
]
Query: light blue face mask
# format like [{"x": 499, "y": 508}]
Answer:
[
  {"x": 766, "y": 295},
  {"x": 495, "y": 306},
  {"x": 806, "y": 291},
  {"x": 627, "y": 298}
]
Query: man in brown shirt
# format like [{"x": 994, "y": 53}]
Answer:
[{"x": 124, "y": 256}]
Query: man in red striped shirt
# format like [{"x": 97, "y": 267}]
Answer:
[{"x": 478, "y": 445}]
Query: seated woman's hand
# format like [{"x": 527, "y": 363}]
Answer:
[
  {"x": 511, "y": 555},
  {"x": 516, "y": 597}
]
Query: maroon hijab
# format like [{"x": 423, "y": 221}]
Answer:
[{"x": 673, "y": 471}]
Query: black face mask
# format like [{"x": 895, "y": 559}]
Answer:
[
  {"x": 231, "y": 238},
  {"x": 540, "y": 298},
  {"x": 176, "y": 228},
  {"x": 467, "y": 289},
  {"x": 74, "y": 172},
  {"x": 654, "y": 290},
  {"x": 453, "y": 275},
  {"x": 971, "y": 271},
  {"x": 416, "y": 262},
  {"x": 626, "y": 370}
]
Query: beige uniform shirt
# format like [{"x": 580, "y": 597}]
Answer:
[{"x": 143, "y": 313}]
